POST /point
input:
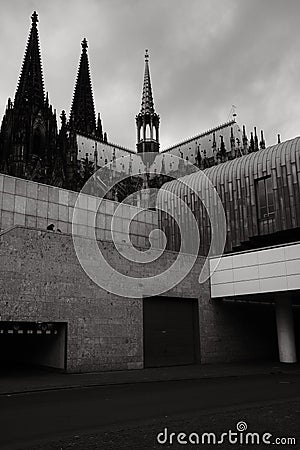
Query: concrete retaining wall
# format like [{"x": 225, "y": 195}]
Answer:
[
  {"x": 42, "y": 280},
  {"x": 36, "y": 205}
]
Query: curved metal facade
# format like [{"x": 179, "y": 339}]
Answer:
[{"x": 260, "y": 194}]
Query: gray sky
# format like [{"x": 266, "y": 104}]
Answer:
[{"x": 205, "y": 56}]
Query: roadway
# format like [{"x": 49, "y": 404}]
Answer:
[{"x": 36, "y": 418}]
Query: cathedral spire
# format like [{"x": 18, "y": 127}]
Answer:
[
  {"x": 30, "y": 90},
  {"x": 28, "y": 140},
  {"x": 82, "y": 110},
  {"x": 147, "y": 121},
  {"x": 147, "y": 98}
]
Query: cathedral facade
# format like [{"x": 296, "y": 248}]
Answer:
[{"x": 32, "y": 146}]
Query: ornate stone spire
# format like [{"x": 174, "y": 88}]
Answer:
[
  {"x": 255, "y": 140},
  {"x": 251, "y": 146},
  {"x": 147, "y": 98},
  {"x": 30, "y": 90},
  {"x": 82, "y": 116},
  {"x": 28, "y": 138},
  {"x": 245, "y": 141},
  {"x": 262, "y": 143},
  {"x": 147, "y": 121}
]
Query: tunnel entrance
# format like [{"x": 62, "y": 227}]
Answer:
[{"x": 33, "y": 345}]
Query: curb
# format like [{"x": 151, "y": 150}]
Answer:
[{"x": 140, "y": 381}]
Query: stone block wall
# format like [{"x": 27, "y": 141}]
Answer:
[{"x": 42, "y": 280}]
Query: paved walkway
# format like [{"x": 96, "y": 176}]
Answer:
[{"x": 20, "y": 381}]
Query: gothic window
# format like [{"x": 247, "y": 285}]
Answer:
[
  {"x": 265, "y": 198},
  {"x": 148, "y": 133},
  {"x": 154, "y": 133}
]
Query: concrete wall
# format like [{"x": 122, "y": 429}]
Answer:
[
  {"x": 36, "y": 205},
  {"x": 42, "y": 280}
]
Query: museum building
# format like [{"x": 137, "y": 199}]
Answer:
[{"x": 51, "y": 312}]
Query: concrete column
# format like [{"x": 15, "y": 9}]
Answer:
[{"x": 285, "y": 330}]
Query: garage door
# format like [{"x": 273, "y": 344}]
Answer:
[{"x": 171, "y": 334}]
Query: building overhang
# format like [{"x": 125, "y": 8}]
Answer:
[{"x": 263, "y": 271}]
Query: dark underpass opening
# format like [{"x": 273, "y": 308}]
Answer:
[{"x": 30, "y": 345}]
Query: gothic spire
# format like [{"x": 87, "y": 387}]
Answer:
[
  {"x": 30, "y": 90},
  {"x": 82, "y": 110},
  {"x": 251, "y": 147},
  {"x": 245, "y": 141},
  {"x": 262, "y": 143},
  {"x": 255, "y": 140},
  {"x": 147, "y": 98},
  {"x": 147, "y": 121}
]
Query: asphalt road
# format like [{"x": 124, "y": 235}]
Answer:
[{"x": 36, "y": 418}]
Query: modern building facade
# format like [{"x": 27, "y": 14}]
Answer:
[
  {"x": 53, "y": 314},
  {"x": 261, "y": 199}
]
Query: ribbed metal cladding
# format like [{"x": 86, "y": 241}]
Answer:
[{"x": 238, "y": 183}]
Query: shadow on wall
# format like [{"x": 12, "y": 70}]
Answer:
[{"x": 239, "y": 332}]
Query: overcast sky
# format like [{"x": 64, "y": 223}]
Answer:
[{"x": 205, "y": 56}]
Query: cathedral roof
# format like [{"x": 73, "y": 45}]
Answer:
[
  {"x": 202, "y": 135},
  {"x": 82, "y": 110},
  {"x": 31, "y": 86}
]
